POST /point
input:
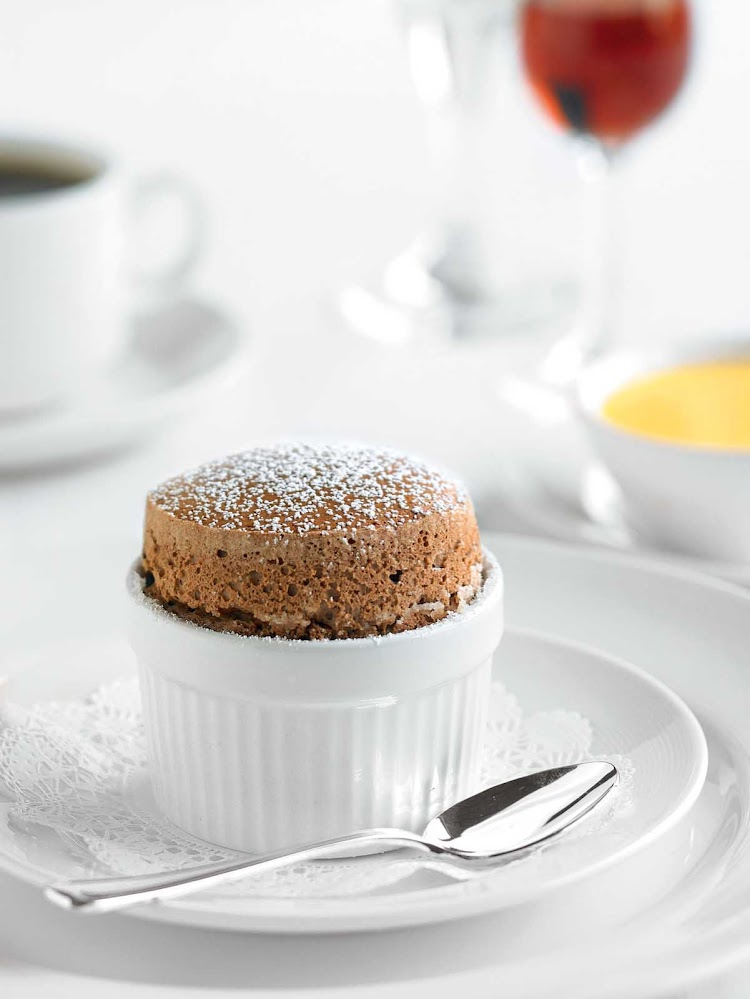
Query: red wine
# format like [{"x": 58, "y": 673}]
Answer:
[{"x": 605, "y": 67}]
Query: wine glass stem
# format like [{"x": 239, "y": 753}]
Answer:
[
  {"x": 450, "y": 50},
  {"x": 601, "y": 316},
  {"x": 459, "y": 221}
]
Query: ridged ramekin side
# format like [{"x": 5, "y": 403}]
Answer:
[{"x": 258, "y": 775}]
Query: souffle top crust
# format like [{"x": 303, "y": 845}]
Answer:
[{"x": 312, "y": 542}]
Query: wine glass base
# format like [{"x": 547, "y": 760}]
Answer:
[{"x": 412, "y": 306}]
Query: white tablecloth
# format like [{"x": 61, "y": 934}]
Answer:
[{"x": 297, "y": 121}]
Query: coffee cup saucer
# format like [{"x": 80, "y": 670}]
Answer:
[{"x": 177, "y": 353}]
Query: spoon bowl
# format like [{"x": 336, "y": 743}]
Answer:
[{"x": 520, "y": 813}]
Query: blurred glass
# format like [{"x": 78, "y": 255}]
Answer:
[
  {"x": 602, "y": 70},
  {"x": 449, "y": 283}
]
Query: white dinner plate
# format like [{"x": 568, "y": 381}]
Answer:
[
  {"x": 689, "y": 631},
  {"x": 631, "y": 715},
  {"x": 176, "y": 355}
]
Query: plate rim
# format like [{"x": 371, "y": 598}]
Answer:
[
  {"x": 659, "y": 562},
  {"x": 717, "y": 955}
]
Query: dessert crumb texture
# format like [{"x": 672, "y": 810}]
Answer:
[{"x": 300, "y": 541}]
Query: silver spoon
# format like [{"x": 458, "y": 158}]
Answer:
[{"x": 498, "y": 821}]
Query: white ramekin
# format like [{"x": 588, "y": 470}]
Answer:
[{"x": 258, "y": 743}]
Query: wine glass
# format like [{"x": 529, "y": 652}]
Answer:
[
  {"x": 449, "y": 284},
  {"x": 602, "y": 70}
]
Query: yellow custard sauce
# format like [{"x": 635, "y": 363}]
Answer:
[{"x": 705, "y": 404}]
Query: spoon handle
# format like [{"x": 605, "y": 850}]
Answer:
[{"x": 111, "y": 894}]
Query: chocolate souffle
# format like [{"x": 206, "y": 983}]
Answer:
[{"x": 312, "y": 542}]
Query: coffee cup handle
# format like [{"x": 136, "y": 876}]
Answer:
[{"x": 166, "y": 277}]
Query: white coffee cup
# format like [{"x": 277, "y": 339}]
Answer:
[{"x": 65, "y": 285}]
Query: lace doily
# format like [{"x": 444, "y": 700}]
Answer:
[{"x": 75, "y": 771}]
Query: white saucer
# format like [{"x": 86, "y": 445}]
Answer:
[
  {"x": 552, "y": 486},
  {"x": 631, "y": 715},
  {"x": 176, "y": 355}
]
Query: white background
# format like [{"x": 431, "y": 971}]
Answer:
[{"x": 296, "y": 120}]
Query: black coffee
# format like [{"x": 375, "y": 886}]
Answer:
[{"x": 22, "y": 177}]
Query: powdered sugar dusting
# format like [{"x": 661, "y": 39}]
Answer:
[{"x": 303, "y": 488}]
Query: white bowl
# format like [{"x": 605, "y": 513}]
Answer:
[
  {"x": 259, "y": 743},
  {"x": 693, "y": 498}
]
